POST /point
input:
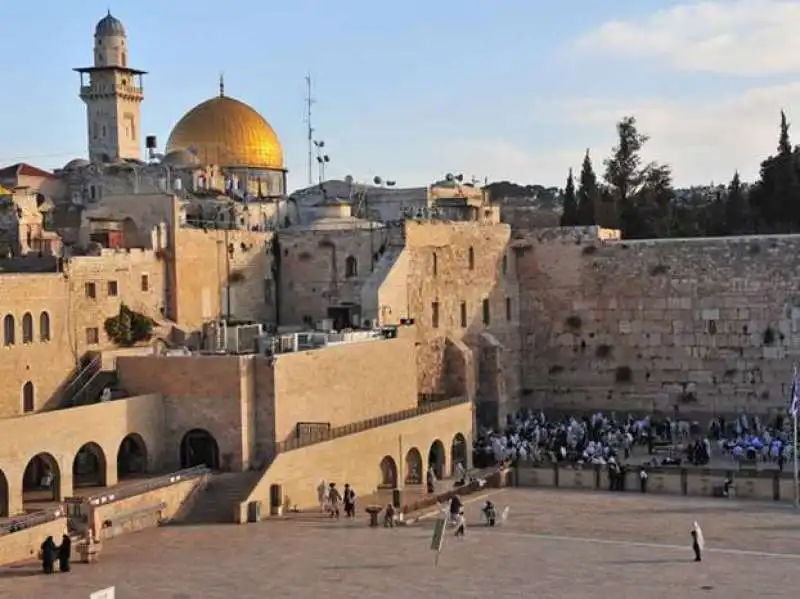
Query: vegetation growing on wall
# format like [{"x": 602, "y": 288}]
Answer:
[{"x": 129, "y": 327}]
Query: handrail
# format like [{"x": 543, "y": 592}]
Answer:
[
  {"x": 150, "y": 484},
  {"x": 16, "y": 524},
  {"x": 92, "y": 368},
  {"x": 363, "y": 425}
]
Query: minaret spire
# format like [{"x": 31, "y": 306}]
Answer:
[{"x": 222, "y": 85}]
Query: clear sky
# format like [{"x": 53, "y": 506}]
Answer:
[{"x": 412, "y": 90}]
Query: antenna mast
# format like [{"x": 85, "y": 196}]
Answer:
[{"x": 309, "y": 102}]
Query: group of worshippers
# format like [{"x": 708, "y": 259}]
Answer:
[
  {"x": 330, "y": 498},
  {"x": 752, "y": 440},
  {"x": 600, "y": 439},
  {"x": 50, "y": 553}
]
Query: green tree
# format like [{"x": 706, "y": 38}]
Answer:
[
  {"x": 624, "y": 175},
  {"x": 569, "y": 216},
  {"x": 588, "y": 193},
  {"x": 735, "y": 214},
  {"x": 128, "y": 327}
]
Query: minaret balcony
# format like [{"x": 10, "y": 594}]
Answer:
[{"x": 99, "y": 91}]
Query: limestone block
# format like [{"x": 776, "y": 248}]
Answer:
[{"x": 710, "y": 314}]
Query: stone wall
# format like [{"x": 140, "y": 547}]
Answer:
[
  {"x": 208, "y": 264},
  {"x": 704, "y": 325},
  {"x": 24, "y": 545}
]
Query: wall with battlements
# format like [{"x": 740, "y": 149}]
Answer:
[{"x": 707, "y": 325}]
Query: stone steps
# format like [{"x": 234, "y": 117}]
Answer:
[{"x": 217, "y": 502}]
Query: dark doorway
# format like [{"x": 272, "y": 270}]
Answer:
[
  {"x": 89, "y": 467},
  {"x": 131, "y": 457},
  {"x": 4, "y": 498},
  {"x": 199, "y": 448},
  {"x": 41, "y": 481},
  {"x": 344, "y": 316}
]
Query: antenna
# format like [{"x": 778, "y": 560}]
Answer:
[{"x": 309, "y": 102}]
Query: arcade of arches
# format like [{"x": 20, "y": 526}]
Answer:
[
  {"x": 43, "y": 479},
  {"x": 437, "y": 459}
]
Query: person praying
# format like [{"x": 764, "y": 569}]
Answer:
[
  {"x": 461, "y": 523},
  {"x": 698, "y": 543},
  {"x": 490, "y": 513},
  {"x": 48, "y": 552}
]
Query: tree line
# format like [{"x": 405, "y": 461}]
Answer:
[{"x": 639, "y": 199}]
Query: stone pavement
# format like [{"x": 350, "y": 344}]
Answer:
[{"x": 556, "y": 544}]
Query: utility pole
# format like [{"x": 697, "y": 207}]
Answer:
[{"x": 309, "y": 102}]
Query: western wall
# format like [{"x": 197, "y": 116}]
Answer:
[{"x": 707, "y": 325}]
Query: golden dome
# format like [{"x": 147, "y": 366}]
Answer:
[{"x": 227, "y": 132}]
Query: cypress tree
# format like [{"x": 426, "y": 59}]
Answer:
[
  {"x": 588, "y": 194},
  {"x": 569, "y": 217}
]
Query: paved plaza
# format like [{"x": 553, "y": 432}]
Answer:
[{"x": 557, "y": 544}]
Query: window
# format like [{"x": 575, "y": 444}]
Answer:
[
  {"x": 505, "y": 264},
  {"x": 486, "y": 314},
  {"x": 91, "y": 290},
  {"x": 463, "y": 315},
  {"x": 44, "y": 326},
  {"x": 350, "y": 267},
  {"x": 508, "y": 308},
  {"x": 113, "y": 289},
  {"x": 92, "y": 336},
  {"x": 28, "y": 397},
  {"x": 435, "y": 315},
  {"x": 435, "y": 264},
  {"x": 145, "y": 283},
  {"x": 9, "y": 332},
  {"x": 471, "y": 259},
  {"x": 27, "y": 328}
]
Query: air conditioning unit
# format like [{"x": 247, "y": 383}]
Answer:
[{"x": 243, "y": 339}]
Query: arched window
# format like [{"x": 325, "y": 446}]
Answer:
[
  {"x": 44, "y": 326},
  {"x": 27, "y": 328},
  {"x": 28, "y": 397},
  {"x": 9, "y": 332},
  {"x": 351, "y": 267},
  {"x": 471, "y": 259}
]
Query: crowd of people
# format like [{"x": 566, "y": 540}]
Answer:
[{"x": 607, "y": 439}]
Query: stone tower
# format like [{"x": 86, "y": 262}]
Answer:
[{"x": 113, "y": 94}]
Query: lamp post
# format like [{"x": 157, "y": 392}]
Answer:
[{"x": 322, "y": 159}]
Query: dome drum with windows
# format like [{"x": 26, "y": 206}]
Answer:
[{"x": 226, "y": 132}]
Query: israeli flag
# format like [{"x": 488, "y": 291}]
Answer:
[{"x": 794, "y": 400}]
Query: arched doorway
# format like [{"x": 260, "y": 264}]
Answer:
[
  {"x": 388, "y": 472},
  {"x": 41, "y": 481},
  {"x": 414, "y": 473},
  {"x": 436, "y": 458},
  {"x": 458, "y": 452},
  {"x": 3, "y": 495},
  {"x": 199, "y": 448},
  {"x": 131, "y": 457},
  {"x": 89, "y": 467}
]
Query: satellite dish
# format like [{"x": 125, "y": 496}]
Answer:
[
  {"x": 349, "y": 179},
  {"x": 449, "y": 177},
  {"x": 377, "y": 180},
  {"x": 459, "y": 178},
  {"x": 391, "y": 183}
]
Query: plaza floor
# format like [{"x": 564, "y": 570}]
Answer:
[{"x": 555, "y": 544}]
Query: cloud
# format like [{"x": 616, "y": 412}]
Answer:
[
  {"x": 704, "y": 140},
  {"x": 741, "y": 37}
]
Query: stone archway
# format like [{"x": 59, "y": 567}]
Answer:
[
  {"x": 199, "y": 448},
  {"x": 41, "y": 480},
  {"x": 4, "y": 496},
  {"x": 459, "y": 452},
  {"x": 89, "y": 467},
  {"x": 437, "y": 458},
  {"x": 414, "y": 472},
  {"x": 131, "y": 457},
  {"x": 388, "y": 472}
]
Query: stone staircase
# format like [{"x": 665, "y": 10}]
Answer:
[{"x": 217, "y": 502}]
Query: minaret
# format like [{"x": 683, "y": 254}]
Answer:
[{"x": 113, "y": 95}]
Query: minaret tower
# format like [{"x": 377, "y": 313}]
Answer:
[{"x": 113, "y": 95}]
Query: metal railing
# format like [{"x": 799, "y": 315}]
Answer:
[
  {"x": 363, "y": 425},
  {"x": 80, "y": 380},
  {"x": 150, "y": 484},
  {"x": 16, "y": 524}
]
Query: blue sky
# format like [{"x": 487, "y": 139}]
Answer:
[{"x": 413, "y": 90}]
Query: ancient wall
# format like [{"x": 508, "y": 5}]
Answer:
[
  {"x": 707, "y": 325},
  {"x": 323, "y": 267},
  {"x": 213, "y": 266},
  {"x": 461, "y": 283}
]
